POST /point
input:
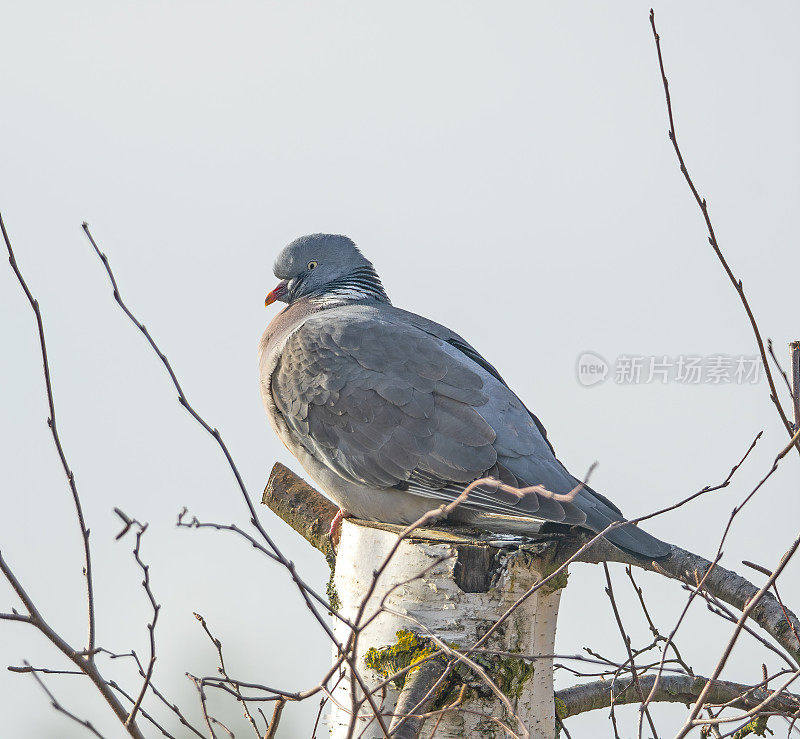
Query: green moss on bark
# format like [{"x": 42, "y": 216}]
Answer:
[
  {"x": 758, "y": 727},
  {"x": 330, "y": 588},
  {"x": 408, "y": 650},
  {"x": 510, "y": 674}
]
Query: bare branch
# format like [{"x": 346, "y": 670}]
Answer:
[
  {"x": 627, "y": 641},
  {"x": 712, "y": 239},
  {"x": 51, "y": 422},
  {"x": 287, "y": 495},
  {"x": 80, "y": 660},
  {"x": 83, "y": 659},
  {"x": 58, "y": 707},
  {"x": 223, "y": 671},
  {"x": 272, "y": 731},
  {"x": 673, "y": 689},
  {"x": 752, "y": 603},
  {"x": 418, "y": 690},
  {"x": 151, "y": 627},
  {"x": 794, "y": 349},
  {"x": 15, "y": 617},
  {"x": 776, "y": 362}
]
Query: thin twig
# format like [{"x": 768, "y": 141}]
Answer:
[
  {"x": 776, "y": 362},
  {"x": 151, "y": 627},
  {"x": 58, "y": 707},
  {"x": 627, "y": 641},
  {"x": 83, "y": 659},
  {"x": 794, "y": 349},
  {"x": 223, "y": 671},
  {"x": 712, "y": 238},
  {"x": 51, "y": 422}
]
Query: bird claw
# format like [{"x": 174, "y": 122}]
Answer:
[{"x": 335, "y": 531}]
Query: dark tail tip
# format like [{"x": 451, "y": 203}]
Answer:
[{"x": 639, "y": 543}]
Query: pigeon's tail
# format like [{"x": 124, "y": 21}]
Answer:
[
  {"x": 638, "y": 542},
  {"x": 600, "y": 512}
]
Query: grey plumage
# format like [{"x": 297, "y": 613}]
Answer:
[{"x": 393, "y": 414}]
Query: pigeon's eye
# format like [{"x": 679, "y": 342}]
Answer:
[{"x": 311, "y": 265}]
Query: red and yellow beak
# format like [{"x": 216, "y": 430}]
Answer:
[{"x": 277, "y": 293}]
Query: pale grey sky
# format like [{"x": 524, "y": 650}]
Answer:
[{"x": 506, "y": 168}]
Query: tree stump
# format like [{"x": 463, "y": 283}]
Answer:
[
  {"x": 448, "y": 584},
  {"x": 455, "y": 587}
]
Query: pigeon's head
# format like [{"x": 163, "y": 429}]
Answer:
[{"x": 326, "y": 267}]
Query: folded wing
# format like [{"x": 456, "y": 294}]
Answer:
[{"x": 386, "y": 404}]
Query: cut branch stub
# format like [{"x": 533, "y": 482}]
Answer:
[{"x": 308, "y": 512}]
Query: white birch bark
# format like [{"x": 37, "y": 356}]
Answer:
[{"x": 459, "y": 618}]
